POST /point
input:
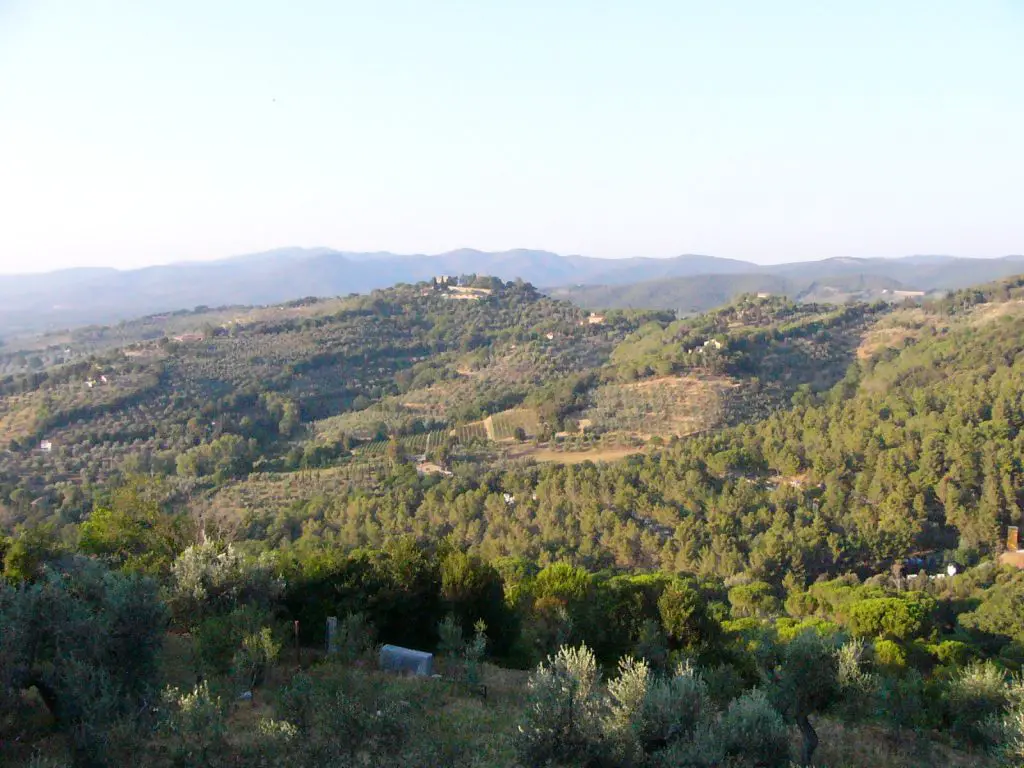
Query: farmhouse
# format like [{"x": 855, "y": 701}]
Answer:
[{"x": 430, "y": 468}]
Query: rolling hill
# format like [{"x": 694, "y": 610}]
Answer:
[
  {"x": 700, "y": 293},
  {"x": 78, "y": 297}
]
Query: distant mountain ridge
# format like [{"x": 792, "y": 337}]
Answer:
[{"x": 102, "y": 295}]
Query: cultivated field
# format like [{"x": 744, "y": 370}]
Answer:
[{"x": 664, "y": 406}]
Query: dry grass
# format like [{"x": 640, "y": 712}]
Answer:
[
  {"x": 662, "y": 406},
  {"x": 893, "y": 331},
  {"x": 544, "y": 453},
  {"x": 872, "y": 746},
  {"x": 18, "y": 416},
  {"x": 988, "y": 313},
  {"x": 884, "y": 338}
]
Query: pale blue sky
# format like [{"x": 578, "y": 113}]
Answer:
[{"x": 141, "y": 132}]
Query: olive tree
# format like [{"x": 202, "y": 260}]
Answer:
[
  {"x": 806, "y": 681},
  {"x": 87, "y": 640}
]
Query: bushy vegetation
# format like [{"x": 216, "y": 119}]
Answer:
[{"x": 729, "y": 599}]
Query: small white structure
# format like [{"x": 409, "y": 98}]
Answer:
[
  {"x": 45, "y": 446},
  {"x": 394, "y": 658}
]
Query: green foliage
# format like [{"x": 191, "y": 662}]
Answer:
[
  {"x": 209, "y": 580},
  {"x": 890, "y": 656},
  {"x": 196, "y": 724},
  {"x": 858, "y": 685},
  {"x": 684, "y": 615},
  {"x": 998, "y": 611},
  {"x": 898, "y": 618},
  {"x": 562, "y": 722},
  {"x": 472, "y": 590},
  {"x": 651, "y": 645},
  {"x": 87, "y": 640},
  {"x": 354, "y": 638},
  {"x": 134, "y": 533},
  {"x": 349, "y": 721},
  {"x": 627, "y": 693},
  {"x": 450, "y": 642},
  {"x": 754, "y": 599},
  {"x": 975, "y": 696},
  {"x": 753, "y": 732},
  {"x": 1010, "y": 738},
  {"x": 255, "y": 657},
  {"x": 952, "y": 653},
  {"x": 218, "y": 637},
  {"x": 25, "y": 556},
  {"x": 806, "y": 681},
  {"x": 677, "y": 713}
]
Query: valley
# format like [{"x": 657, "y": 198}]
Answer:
[{"x": 711, "y": 494}]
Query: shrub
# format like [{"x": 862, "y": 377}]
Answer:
[
  {"x": 890, "y": 656},
  {"x": 975, "y": 695},
  {"x": 806, "y": 681},
  {"x": 1009, "y": 737},
  {"x": 755, "y": 599},
  {"x": 218, "y": 638},
  {"x": 903, "y": 703},
  {"x": 474, "y": 651},
  {"x": 652, "y": 645},
  {"x": 196, "y": 724},
  {"x": 354, "y": 637},
  {"x": 209, "y": 580},
  {"x": 858, "y": 685},
  {"x": 450, "y": 642},
  {"x": 296, "y": 701},
  {"x": 258, "y": 652},
  {"x": 627, "y": 694},
  {"x": 952, "y": 653},
  {"x": 274, "y": 744},
  {"x": 675, "y": 712},
  {"x": 753, "y": 732},
  {"x": 87, "y": 640},
  {"x": 724, "y": 683},
  {"x": 562, "y": 722},
  {"x": 349, "y": 721}
]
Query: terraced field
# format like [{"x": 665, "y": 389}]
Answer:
[{"x": 665, "y": 406}]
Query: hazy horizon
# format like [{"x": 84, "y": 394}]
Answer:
[
  {"x": 149, "y": 134},
  {"x": 340, "y": 251}
]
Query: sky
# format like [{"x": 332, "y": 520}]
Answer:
[{"x": 142, "y": 132}]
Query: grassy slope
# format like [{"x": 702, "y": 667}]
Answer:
[{"x": 484, "y": 730}]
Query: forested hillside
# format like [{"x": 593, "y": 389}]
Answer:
[
  {"x": 770, "y": 526},
  {"x": 483, "y": 374}
]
